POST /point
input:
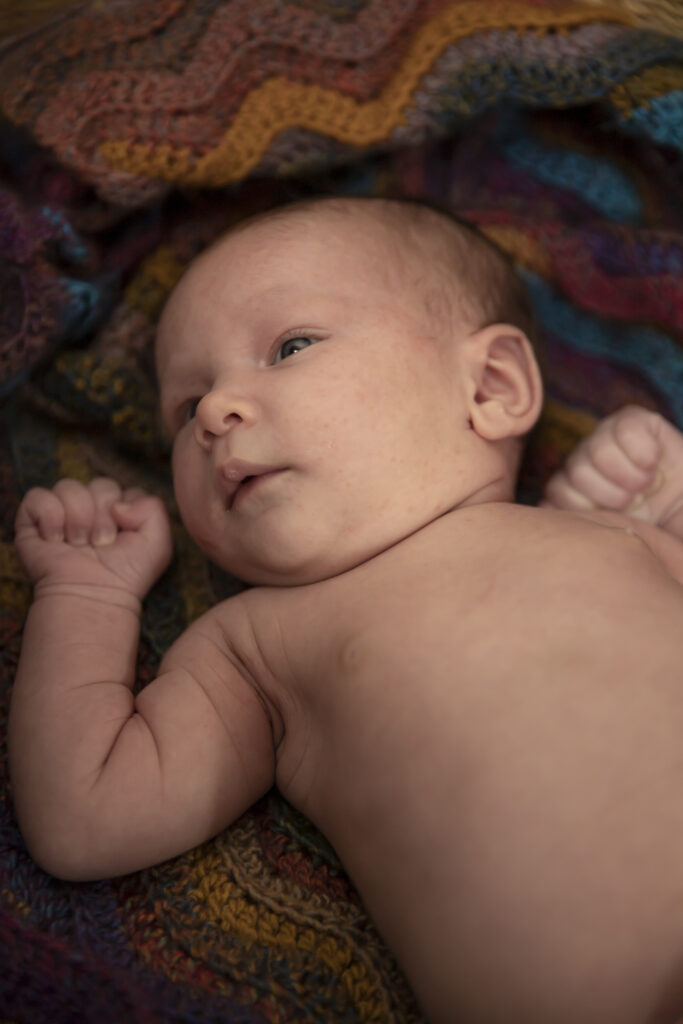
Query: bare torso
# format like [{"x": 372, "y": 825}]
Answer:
[{"x": 487, "y": 722}]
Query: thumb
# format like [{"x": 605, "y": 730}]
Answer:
[
  {"x": 145, "y": 535},
  {"x": 145, "y": 515}
]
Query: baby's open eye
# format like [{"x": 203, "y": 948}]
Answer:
[{"x": 291, "y": 346}]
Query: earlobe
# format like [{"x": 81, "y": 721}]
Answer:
[{"x": 506, "y": 391}]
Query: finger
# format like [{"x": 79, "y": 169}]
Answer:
[
  {"x": 105, "y": 493},
  {"x": 41, "y": 512},
  {"x": 560, "y": 494},
  {"x": 132, "y": 494},
  {"x": 148, "y": 517},
  {"x": 79, "y": 510},
  {"x": 616, "y": 465},
  {"x": 585, "y": 478},
  {"x": 130, "y": 511},
  {"x": 135, "y": 508},
  {"x": 637, "y": 432},
  {"x": 141, "y": 514}
]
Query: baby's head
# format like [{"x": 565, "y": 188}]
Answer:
[{"x": 337, "y": 374}]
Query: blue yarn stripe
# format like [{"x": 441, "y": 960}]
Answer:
[
  {"x": 662, "y": 119},
  {"x": 595, "y": 181},
  {"x": 653, "y": 354}
]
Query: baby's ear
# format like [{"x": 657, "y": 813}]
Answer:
[{"x": 504, "y": 382}]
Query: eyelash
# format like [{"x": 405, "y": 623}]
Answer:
[
  {"x": 189, "y": 409},
  {"x": 292, "y": 336}
]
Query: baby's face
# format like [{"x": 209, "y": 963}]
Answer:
[{"x": 317, "y": 416}]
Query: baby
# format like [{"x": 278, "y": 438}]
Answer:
[{"x": 480, "y": 703}]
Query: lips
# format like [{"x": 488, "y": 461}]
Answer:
[{"x": 237, "y": 476}]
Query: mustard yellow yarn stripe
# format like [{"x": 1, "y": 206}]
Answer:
[
  {"x": 70, "y": 459},
  {"x": 661, "y": 15},
  {"x": 563, "y": 427},
  {"x": 229, "y": 906},
  {"x": 520, "y": 246},
  {"x": 279, "y": 104},
  {"x": 640, "y": 88},
  {"x": 154, "y": 281}
]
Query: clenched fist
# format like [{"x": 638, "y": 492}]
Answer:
[
  {"x": 93, "y": 534},
  {"x": 631, "y": 463}
]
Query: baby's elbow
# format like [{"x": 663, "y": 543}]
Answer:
[
  {"x": 62, "y": 851},
  {"x": 64, "y": 868},
  {"x": 57, "y": 862}
]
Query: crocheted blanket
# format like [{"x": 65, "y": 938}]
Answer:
[{"x": 133, "y": 132}]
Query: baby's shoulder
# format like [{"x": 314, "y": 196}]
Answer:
[
  {"x": 493, "y": 529},
  {"x": 593, "y": 544},
  {"x": 501, "y": 541},
  {"x": 545, "y": 532},
  {"x": 267, "y": 630}
]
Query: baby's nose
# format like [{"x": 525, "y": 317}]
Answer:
[
  {"x": 207, "y": 434},
  {"x": 218, "y": 413}
]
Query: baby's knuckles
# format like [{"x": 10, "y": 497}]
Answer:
[
  {"x": 57, "y": 562},
  {"x": 137, "y": 551},
  {"x": 637, "y": 431}
]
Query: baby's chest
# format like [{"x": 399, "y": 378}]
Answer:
[
  {"x": 433, "y": 662},
  {"x": 439, "y": 632},
  {"x": 377, "y": 677}
]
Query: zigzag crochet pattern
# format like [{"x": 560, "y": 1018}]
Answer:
[
  {"x": 133, "y": 134},
  {"x": 207, "y": 93}
]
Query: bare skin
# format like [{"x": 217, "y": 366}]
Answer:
[{"x": 480, "y": 704}]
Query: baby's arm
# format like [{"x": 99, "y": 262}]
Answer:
[
  {"x": 104, "y": 782},
  {"x": 632, "y": 463}
]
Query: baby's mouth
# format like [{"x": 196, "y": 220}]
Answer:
[
  {"x": 250, "y": 483},
  {"x": 240, "y": 478}
]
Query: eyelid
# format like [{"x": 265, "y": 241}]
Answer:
[
  {"x": 295, "y": 332},
  {"x": 186, "y": 406},
  {"x": 174, "y": 414}
]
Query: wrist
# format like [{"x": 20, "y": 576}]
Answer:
[{"x": 111, "y": 596}]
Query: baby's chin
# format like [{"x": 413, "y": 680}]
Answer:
[
  {"x": 298, "y": 554},
  {"x": 277, "y": 575},
  {"x": 293, "y": 572}
]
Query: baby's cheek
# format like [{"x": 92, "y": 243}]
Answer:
[{"x": 185, "y": 476}]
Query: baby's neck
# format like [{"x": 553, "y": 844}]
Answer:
[{"x": 500, "y": 489}]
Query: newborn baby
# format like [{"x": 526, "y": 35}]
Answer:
[{"x": 479, "y": 703}]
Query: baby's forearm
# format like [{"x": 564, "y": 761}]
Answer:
[{"x": 72, "y": 696}]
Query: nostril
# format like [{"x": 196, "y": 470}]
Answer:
[
  {"x": 203, "y": 435},
  {"x": 212, "y": 421}
]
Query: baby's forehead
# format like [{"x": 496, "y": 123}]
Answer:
[
  {"x": 387, "y": 247},
  {"x": 337, "y": 243}
]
